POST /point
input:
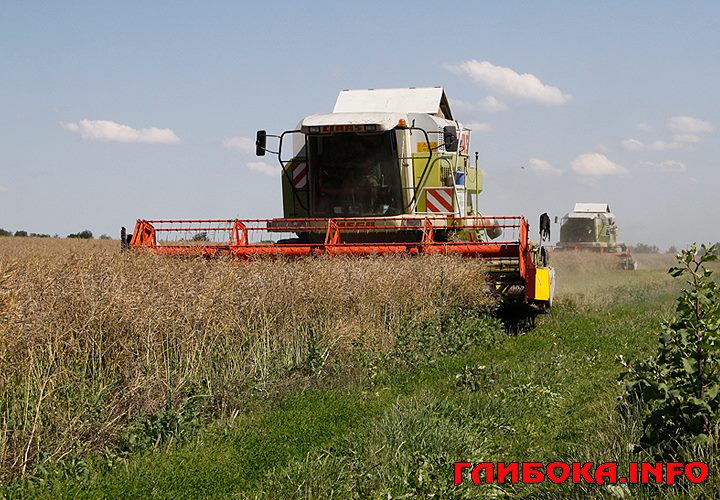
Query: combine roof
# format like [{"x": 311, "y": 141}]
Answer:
[
  {"x": 591, "y": 211},
  {"x": 386, "y": 121},
  {"x": 430, "y": 100},
  {"x": 592, "y": 207}
]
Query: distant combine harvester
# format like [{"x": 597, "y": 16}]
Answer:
[{"x": 591, "y": 227}]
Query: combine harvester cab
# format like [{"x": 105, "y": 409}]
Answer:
[
  {"x": 387, "y": 172},
  {"x": 591, "y": 227}
]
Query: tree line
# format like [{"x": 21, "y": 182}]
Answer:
[
  {"x": 83, "y": 235},
  {"x": 645, "y": 248}
]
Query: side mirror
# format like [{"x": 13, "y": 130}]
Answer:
[
  {"x": 544, "y": 227},
  {"x": 450, "y": 139},
  {"x": 260, "y": 143}
]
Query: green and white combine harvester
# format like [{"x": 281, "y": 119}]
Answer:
[
  {"x": 591, "y": 227},
  {"x": 387, "y": 172}
]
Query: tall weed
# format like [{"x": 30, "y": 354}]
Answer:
[{"x": 94, "y": 342}]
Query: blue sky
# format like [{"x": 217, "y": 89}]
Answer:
[{"x": 114, "y": 111}]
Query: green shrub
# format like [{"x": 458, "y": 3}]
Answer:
[
  {"x": 679, "y": 388},
  {"x": 476, "y": 379},
  {"x": 645, "y": 248},
  {"x": 177, "y": 421},
  {"x": 83, "y": 235}
]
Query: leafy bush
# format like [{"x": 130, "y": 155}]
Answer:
[
  {"x": 443, "y": 335},
  {"x": 679, "y": 389},
  {"x": 644, "y": 248},
  {"x": 3, "y": 232},
  {"x": 175, "y": 422},
  {"x": 83, "y": 235},
  {"x": 475, "y": 379},
  {"x": 21, "y": 234}
]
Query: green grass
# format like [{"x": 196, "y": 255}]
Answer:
[{"x": 547, "y": 395}]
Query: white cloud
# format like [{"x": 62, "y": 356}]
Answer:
[
  {"x": 3, "y": 188},
  {"x": 666, "y": 166},
  {"x": 109, "y": 131},
  {"x": 543, "y": 167},
  {"x": 490, "y": 104},
  {"x": 636, "y": 145},
  {"x": 663, "y": 146},
  {"x": 487, "y": 104},
  {"x": 687, "y": 138},
  {"x": 242, "y": 144},
  {"x": 507, "y": 82},
  {"x": 478, "y": 126},
  {"x": 645, "y": 127},
  {"x": 633, "y": 145},
  {"x": 685, "y": 133},
  {"x": 263, "y": 168},
  {"x": 688, "y": 125},
  {"x": 596, "y": 165}
]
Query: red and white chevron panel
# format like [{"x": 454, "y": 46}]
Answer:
[
  {"x": 299, "y": 175},
  {"x": 439, "y": 200},
  {"x": 464, "y": 142}
]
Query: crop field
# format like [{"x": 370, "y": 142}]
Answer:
[
  {"x": 141, "y": 376},
  {"x": 93, "y": 339}
]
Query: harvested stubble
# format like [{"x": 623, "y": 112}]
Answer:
[
  {"x": 593, "y": 281},
  {"x": 91, "y": 339}
]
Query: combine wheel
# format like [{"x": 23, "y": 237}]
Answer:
[{"x": 517, "y": 317}]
